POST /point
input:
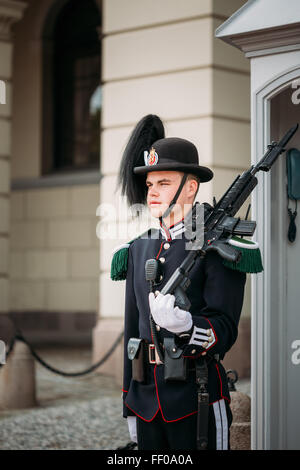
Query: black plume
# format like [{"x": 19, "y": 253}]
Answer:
[{"x": 149, "y": 129}]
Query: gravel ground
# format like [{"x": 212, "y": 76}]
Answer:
[
  {"x": 95, "y": 424},
  {"x": 72, "y": 413}
]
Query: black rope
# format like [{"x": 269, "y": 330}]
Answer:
[{"x": 20, "y": 337}]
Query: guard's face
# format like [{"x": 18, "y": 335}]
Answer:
[{"x": 162, "y": 187}]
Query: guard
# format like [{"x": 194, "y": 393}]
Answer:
[{"x": 175, "y": 388}]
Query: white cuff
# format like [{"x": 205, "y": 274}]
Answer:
[
  {"x": 131, "y": 421},
  {"x": 203, "y": 337}
]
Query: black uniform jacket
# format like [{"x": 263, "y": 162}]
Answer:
[{"x": 216, "y": 295}]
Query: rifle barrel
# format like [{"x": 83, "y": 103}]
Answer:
[
  {"x": 274, "y": 151},
  {"x": 288, "y": 136}
]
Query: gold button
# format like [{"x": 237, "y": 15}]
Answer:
[
  {"x": 174, "y": 349},
  {"x": 193, "y": 351},
  {"x": 162, "y": 260},
  {"x": 166, "y": 246},
  {"x": 157, "y": 328},
  {"x": 205, "y": 344},
  {"x": 156, "y": 292}
]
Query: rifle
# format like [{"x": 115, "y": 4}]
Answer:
[{"x": 220, "y": 224}]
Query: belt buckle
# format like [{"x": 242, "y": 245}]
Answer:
[{"x": 153, "y": 355}]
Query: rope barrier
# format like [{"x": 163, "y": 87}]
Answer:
[
  {"x": 71, "y": 374},
  {"x": 20, "y": 337}
]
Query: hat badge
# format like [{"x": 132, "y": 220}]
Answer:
[{"x": 151, "y": 158}]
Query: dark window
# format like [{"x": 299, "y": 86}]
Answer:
[{"x": 76, "y": 87}]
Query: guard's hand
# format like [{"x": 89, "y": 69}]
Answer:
[
  {"x": 167, "y": 316},
  {"x": 131, "y": 421}
]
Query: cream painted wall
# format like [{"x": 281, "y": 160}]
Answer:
[
  {"x": 120, "y": 15},
  {"x": 54, "y": 260},
  {"x": 54, "y": 257},
  {"x": 9, "y": 14}
]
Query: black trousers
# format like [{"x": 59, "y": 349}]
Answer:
[{"x": 182, "y": 434}]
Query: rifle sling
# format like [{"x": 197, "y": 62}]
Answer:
[{"x": 203, "y": 403}]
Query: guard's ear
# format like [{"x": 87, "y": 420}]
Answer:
[{"x": 192, "y": 186}]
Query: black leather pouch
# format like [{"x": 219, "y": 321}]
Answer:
[
  {"x": 136, "y": 353},
  {"x": 175, "y": 363}
]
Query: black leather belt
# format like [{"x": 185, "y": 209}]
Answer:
[{"x": 153, "y": 357}]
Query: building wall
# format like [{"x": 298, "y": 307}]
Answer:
[
  {"x": 5, "y": 151},
  {"x": 162, "y": 58},
  {"x": 54, "y": 249},
  {"x": 54, "y": 256},
  {"x": 9, "y": 14}
]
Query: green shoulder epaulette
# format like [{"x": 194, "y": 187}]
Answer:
[
  {"x": 250, "y": 261},
  {"x": 119, "y": 263}
]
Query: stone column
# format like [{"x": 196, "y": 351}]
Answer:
[
  {"x": 240, "y": 431},
  {"x": 10, "y": 12},
  {"x": 13, "y": 373}
]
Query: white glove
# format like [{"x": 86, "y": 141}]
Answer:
[
  {"x": 166, "y": 316},
  {"x": 131, "y": 421}
]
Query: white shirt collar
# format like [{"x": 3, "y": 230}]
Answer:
[{"x": 174, "y": 231}]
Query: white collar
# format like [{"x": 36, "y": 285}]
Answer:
[{"x": 174, "y": 231}]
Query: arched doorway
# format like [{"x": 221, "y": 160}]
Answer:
[{"x": 275, "y": 295}]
